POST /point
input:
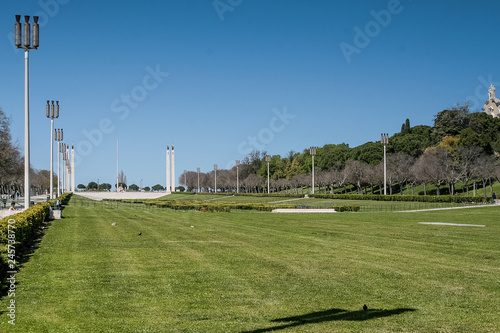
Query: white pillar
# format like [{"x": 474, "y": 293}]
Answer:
[
  {"x": 72, "y": 168},
  {"x": 173, "y": 169},
  {"x": 167, "y": 189}
]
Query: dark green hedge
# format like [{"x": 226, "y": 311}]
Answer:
[{"x": 412, "y": 198}]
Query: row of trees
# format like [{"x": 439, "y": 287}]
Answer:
[
  {"x": 461, "y": 147},
  {"x": 93, "y": 186},
  {"x": 439, "y": 166},
  {"x": 12, "y": 165}
]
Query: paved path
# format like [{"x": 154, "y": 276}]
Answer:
[
  {"x": 303, "y": 211},
  {"x": 446, "y": 208}
]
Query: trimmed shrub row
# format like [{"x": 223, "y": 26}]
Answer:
[
  {"x": 412, "y": 198},
  {"x": 226, "y": 206},
  {"x": 375, "y": 197},
  {"x": 23, "y": 230}
]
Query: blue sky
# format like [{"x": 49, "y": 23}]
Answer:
[{"x": 219, "y": 78}]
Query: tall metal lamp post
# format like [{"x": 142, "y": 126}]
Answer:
[
  {"x": 312, "y": 151},
  {"x": 58, "y": 136},
  {"x": 30, "y": 35},
  {"x": 215, "y": 169},
  {"x": 63, "y": 168},
  {"x": 268, "y": 159},
  {"x": 185, "y": 180},
  {"x": 51, "y": 113},
  {"x": 237, "y": 177},
  {"x": 384, "y": 139},
  {"x": 198, "y": 170}
]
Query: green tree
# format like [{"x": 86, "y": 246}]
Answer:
[
  {"x": 413, "y": 144},
  {"x": 405, "y": 128},
  {"x": 147, "y": 189},
  {"x": 92, "y": 186},
  {"x": 450, "y": 122},
  {"x": 370, "y": 153},
  {"x": 469, "y": 138},
  {"x": 105, "y": 187},
  {"x": 133, "y": 187},
  {"x": 296, "y": 167},
  {"x": 333, "y": 155},
  {"x": 81, "y": 186},
  {"x": 158, "y": 187}
]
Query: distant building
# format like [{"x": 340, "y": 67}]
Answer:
[{"x": 491, "y": 106}]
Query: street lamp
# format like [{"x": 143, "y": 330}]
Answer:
[
  {"x": 25, "y": 43},
  {"x": 58, "y": 136},
  {"x": 312, "y": 151},
  {"x": 384, "y": 139},
  {"x": 198, "y": 170},
  {"x": 185, "y": 181},
  {"x": 52, "y": 112},
  {"x": 268, "y": 159},
  {"x": 237, "y": 177},
  {"x": 215, "y": 169},
  {"x": 63, "y": 168}
]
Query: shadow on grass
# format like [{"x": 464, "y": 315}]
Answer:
[
  {"x": 22, "y": 256},
  {"x": 330, "y": 315}
]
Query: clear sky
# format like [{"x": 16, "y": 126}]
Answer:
[{"x": 219, "y": 78}]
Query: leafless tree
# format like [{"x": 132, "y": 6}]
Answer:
[
  {"x": 373, "y": 175},
  {"x": 468, "y": 157},
  {"x": 356, "y": 173},
  {"x": 487, "y": 171},
  {"x": 252, "y": 183},
  {"x": 432, "y": 167},
  {"x": 398, "y": 169}
]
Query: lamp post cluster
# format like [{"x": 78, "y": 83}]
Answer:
[
  {"x": 384, "y": 139},
  {"x": 215, "y": 169},
  {"x": 237, "y": 176},
  {"x": 52, "y": 112},
  {"x": 58, "y": 136},
  {"x": 27, "y": 38},
  {"x": 312, "y": 151},
  {"x": 268, "y": 159},
  {"x": 68, "y": 167}
]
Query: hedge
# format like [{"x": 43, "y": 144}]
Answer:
[
  {"x": 413, "y": 198},
  {"x": 25, "y": 229},
  {"x": 374, "y": 197}
]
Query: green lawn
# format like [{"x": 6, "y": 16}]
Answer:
[{"x": 255, "y": 272}]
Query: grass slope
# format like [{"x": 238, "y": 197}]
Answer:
[{"x": 258, "y": 272}]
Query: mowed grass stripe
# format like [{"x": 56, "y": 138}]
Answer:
[{"x": 240, "y": 271}]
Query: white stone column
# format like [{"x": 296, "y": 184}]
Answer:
[
  {"x": 167, "y": 189},
  {"x": 72, "y": 168}
]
